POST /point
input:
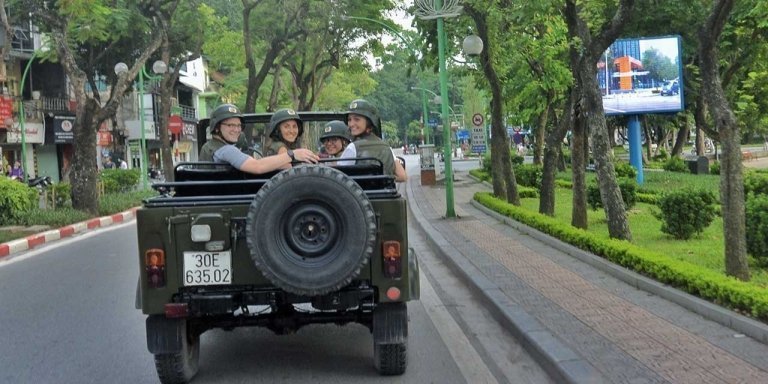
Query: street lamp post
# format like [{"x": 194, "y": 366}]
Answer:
[
  {"x": 158, "y": 67},
  {"x": 414, "y": 51},
  {"x": 22, "y": 116}
]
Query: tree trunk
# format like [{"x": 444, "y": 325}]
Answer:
[
  {"x": 541, "y": 131},
  {"x": 554, "y": 141},
  {"x": 84, "y": 173},
  {"x": 592, "y": 109},
  {"x": 166, "y": 90},
  {"x": 647, "y": 133},
  {"x": 681, "y": 138},
  {"x": 504, "y": 184},
  {"x": 579, "y": 158},
  {"x": 731, "y": 178},
  {"x": 256, "y": 78},
  {"x": 615, "y": 211}
]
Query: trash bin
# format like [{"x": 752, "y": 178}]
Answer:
[
  {"x": 427, "y": 160},
  {"x": 698, "y": 165}
]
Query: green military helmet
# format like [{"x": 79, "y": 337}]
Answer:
[
  {"x": 281, "y": 115},
  {"x": 223, "y": 112},
  {"x": 364, "y": 108},
  {"x": 336, "y": 128}
]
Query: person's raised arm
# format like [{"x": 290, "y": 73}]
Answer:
[
  {"x": 275, "y": 162},
  {"x": 400, "y": 174}
]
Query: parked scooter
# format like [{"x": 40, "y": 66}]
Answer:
[{"x": 41, "y": 182}]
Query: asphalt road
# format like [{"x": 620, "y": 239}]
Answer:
[{"x": 68, "y": 316}]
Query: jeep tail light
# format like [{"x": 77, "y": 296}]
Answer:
[
  {"x": 392, "y": 259},
  {"x": 393, "y": 293},
  {"x": 176, "y": 310},
  {"x": 154, "y": 261}
]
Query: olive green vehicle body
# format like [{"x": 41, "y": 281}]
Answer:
[
  {"x": 168, "y": 228},
  {"x": 309, "y": 218}
]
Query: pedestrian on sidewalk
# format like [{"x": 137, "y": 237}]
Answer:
[{"x": 16, "y": 173}]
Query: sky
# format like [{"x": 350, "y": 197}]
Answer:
[{"x": 667, "y": 46}]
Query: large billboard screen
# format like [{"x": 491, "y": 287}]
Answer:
[{"x": 643, "y": 75}]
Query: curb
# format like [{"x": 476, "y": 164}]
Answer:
[
  {"x": 558, "y": 360},
  {"x": 32, "y": 241}
]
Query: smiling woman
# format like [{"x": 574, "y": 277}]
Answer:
[{"x": 286, "y": 129}]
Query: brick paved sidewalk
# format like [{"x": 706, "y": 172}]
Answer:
[{"x": 619, "y": 333}]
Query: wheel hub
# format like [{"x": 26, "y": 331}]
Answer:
[{"x": 311, "y": 230}]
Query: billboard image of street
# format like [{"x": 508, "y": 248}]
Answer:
[{"x": 642, "y": 75}]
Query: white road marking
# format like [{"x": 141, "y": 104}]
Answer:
[{"x": 468, "y": 360}]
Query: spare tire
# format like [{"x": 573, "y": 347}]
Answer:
[{"x": 310, "y": 230}]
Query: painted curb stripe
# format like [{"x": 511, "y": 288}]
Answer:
[{"x": 29, "y": 242}]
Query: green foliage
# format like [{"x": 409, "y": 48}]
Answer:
[
  {"x": 487, "y": 163},
  {"x": 675, "y": 164},
  {"x": 755, "y": 183},
  {"x": 757, "y": 228},
  {"x": 563, "y": 183},
  {"x": 112, "y": 203},
  {"x": 59, "y": 195},
  {"x": 648, "y": 198},
  {"x": 120, "y": 180},
  {"x": 15, "y": 199},
  {"x": 56, "y": 218},
  {"x": 527, "y": 192},
  {"x": 516, "y": 159},
  {"x": 683, "y": 275},
  {"x": 628, "y": 188},
  {"x": 529, "y": 175},
  {"x": 686, "y": 212},
  {"x": 661, "y": 156},
  {"x": 625, "y": 170},
  {"x": 480, "y": 175},
  {"x": 714, "y": 168}
]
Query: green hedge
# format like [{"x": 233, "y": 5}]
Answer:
[
  {"x": 16, "y": 198},
  {"x": 702, "y": 282},
  {"x": 120, "y": 180}
]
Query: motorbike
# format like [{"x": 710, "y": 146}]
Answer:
[{"x": 41, "y": 182}]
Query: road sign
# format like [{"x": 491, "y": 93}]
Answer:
[
  {"x": 477, "y": 119},
  {"x": 175, "y": 124}
]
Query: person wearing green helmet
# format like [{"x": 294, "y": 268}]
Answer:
[
  {"x": 226, "y": 125},
  {"x": 365, "y": 127},
  {"x": 335, "y": 138},
  {"x": 286, "y": 128}
]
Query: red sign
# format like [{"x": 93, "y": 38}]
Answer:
[
  {"x": 175, "y": 124},
  {"x": 6, "y": 109}
]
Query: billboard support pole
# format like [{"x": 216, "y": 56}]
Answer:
[{"x": 635, "y": 146}]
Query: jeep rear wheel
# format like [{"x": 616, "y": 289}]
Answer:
[
  {"x": 173, "y": 368},
  {"x": 310, "y": 230},
  {"x": 390, "y": 338}
]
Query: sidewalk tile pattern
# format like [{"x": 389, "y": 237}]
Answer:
[{"x": 624, "y": 341}]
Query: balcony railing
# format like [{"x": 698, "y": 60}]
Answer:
[
  {"x": 188, "y": 113},
  {"x": 53, "y": 104}
]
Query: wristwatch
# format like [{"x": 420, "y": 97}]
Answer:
[{"x": 291, "y": 155}]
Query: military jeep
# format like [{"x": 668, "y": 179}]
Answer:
[{"x": 219, "y": 248}]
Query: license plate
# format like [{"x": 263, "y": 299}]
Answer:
[{"x": 207, "y": 268}]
